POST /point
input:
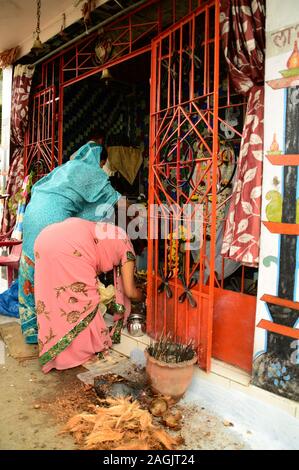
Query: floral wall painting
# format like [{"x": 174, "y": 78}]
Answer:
[
  {"x": 276, "y": 359},
  {"x": 274, "y": 207},
  {"x": 274, "y": 196}
]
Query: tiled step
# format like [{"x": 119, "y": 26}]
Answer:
[{"x": 221, "y": 373}]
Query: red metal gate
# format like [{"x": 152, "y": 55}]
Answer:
[
  {"x": 41, "y": 142},
  {"x": 184, "y": 163},
  {"x": 184, "y": 173}
]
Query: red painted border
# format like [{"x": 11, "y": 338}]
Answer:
[
  {"x": 281, "y": 329},
  {"x": 271, "y": 299},
  {"x": 281, "y": 228},
  {"x": 283, "y": 159}
]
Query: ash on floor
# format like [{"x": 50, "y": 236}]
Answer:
[
  {"x": 201, "y": 429},
  {"x": 34, "y": 407}
]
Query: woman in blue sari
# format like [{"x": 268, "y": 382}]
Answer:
[{"x": 79, "y": 188}]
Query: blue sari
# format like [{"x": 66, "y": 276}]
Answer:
[{"x": 79, "y": 188}]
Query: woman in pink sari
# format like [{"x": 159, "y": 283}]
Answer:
[{"x": 69, "y": 256}]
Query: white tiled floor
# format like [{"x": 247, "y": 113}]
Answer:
[
  {"x": 222, "y": 374},
  {"x": 227, "y": 391},
  {"x": 261, "y": 423}
]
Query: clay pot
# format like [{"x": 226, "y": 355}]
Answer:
[{"x": 169, "y": 379}]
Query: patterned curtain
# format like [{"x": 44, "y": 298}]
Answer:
[
  {"x": 21, "y": 87},
  {"x": 243, "y": 39}
]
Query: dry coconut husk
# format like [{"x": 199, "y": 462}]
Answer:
[{"x": 123, "y": 425}]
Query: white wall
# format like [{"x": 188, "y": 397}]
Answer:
[{"x": 282, "y": 29}]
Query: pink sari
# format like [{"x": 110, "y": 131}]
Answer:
[{"x": 68, "y": 257}]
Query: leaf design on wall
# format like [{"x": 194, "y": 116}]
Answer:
[{"x": 268, "y": 260}]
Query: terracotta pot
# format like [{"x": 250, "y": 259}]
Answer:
[{"x": 169, "y": 379}]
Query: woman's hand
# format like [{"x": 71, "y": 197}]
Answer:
[
  {"x": 134, "y": 293},
  {"x": 140, "y": 295}
]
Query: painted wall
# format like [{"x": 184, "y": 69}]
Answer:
[{"x": 276, "y": 356}]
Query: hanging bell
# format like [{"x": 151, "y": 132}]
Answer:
[
  {"x": 106, "y": 76},
  {"x": 38, "y": 46}
]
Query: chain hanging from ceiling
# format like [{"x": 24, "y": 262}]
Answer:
[{"x": 37, "y": 45}]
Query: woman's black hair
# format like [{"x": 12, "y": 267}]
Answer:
[
  {"x": 97, "y": 134},
  {"x": 139, "y": 244},
  {"x": 104, "y": 154}
]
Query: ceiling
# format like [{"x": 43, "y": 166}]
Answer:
[
  {"x": 104, "y": 9},
  {"x": 18, "y": 20}
]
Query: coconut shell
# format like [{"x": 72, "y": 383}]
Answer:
[
  {"x": 158, "y": 406},
  {"x": 172, "y": 421}
]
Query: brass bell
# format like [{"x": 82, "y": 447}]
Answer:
[
  {"x": 106, "y": 75},
  {"x": 37, "y": 46}
]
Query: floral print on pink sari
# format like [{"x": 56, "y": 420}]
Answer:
[{"x": 69, "y": 256}]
